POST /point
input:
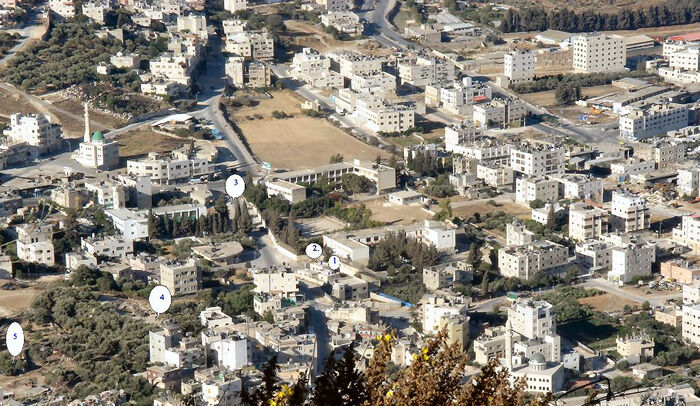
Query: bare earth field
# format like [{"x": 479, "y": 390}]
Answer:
[
  {"x": 75, "y": 128},
  {"x": 393, "y": 214},
  {"x": 13, "y": 103},
  {"x": 297, "y": 142},
  {"x": 606, "y": 302},
  {"x": 468, "y": 208},
  {"x": 15, "y": 301},
  {"x": 141, "y": 142},
  {"x": 547, "y": 98}
]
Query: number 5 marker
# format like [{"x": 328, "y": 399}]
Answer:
[{"x": 15, "y": 339}]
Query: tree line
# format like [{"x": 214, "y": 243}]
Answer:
[
  {"x": 216, "y": 222},
  {"x": 540, "y": 18},
  {"x": 436, "y": 376}
]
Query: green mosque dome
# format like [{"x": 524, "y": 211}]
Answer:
[{"x": 97, "y": 136}]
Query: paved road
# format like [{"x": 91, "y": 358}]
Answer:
[
  {"x": 32, "y": 30},
  {"x": 380, "y": 28},
  {"x": 212, "y": 83}
]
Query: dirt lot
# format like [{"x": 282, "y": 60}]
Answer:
[
  {"x": 547, "y": 98},
  {"x": 606, "y": 302},
  {"x": 389, "y": 213},
  {"x": 660, "y": 31},
  {"x": 75, "y": 128},
  {"x": 298, "y": 142},
  {"x": 141, "y": 142},
  {"x": 13, "y": 103},
  {"x": 319, "y": 226},
  {"x": 467, "y": 209},
  {"x": 15, "y": 301},
  {"x": 304, "y": 34}
]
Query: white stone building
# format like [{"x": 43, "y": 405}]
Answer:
[
  {"x": 421, "y": 71},
  {"x": 257, "y": 45},
  {"x": 688, "y": 233},
  {"x": 587, "y": 222},
  {"x": 233, "y": 6},
  {"x": 537, "y": 161},
  {"x": 35, "y": 130},
  {"x": 165, "y": 169},
  {"x": 519, "y": 66},
  {"x": 181, "y": 278},
  {"x": 35, "y": 243},
  {"x": 629, "y": 212},
  {"x": 631, "y": 260},
  {"x": 536, "y": 188},
  {"x": 96, "y": 151},
  {"x": 653, "y": 119},
  {"x": 526, "y": 260},
  {"x": 499, "y": 113},
  {"x": 595, "y": 52}
]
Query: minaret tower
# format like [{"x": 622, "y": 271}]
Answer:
[
  {"x": 509, "y": 346},
  {"x": 86, "y": 136}
]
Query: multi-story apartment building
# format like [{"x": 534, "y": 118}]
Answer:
[
  {"x": 446, "y": 274},
  {"x": 688, "y": 233},
  {"x": 536, "y": 188},
  {"x": 457, "y": 97},
  {"x": 95, "y": 11},
  {"x": 631, "y": 260},
  {"x": 35, "y": 130},
  {"x": 343, "y": 21},
  {"x": 247, "y": 73},
  {"x": 176, "y": 68},
  {"x": 595, "y": 52},
  {"x": 532, "y": 318},
  {"x": 537, "y": 161},
  {"x": 380, "y": 115},
  {"x": 310, "y": 63},
  {"x": 526, "y": 260},
  {"x": 107, "y": 193},
  {"x": 335, "y": 5},
  {"x": 235, "y": 5},
  {"x": 35, "y": 243},
  {"x": 257, "y": 45},
  {"x": 688, "y": 181},
  {"x": 519, "y": 66},
  {"x": 181, "y": 278},
  {"x": 594, "y": 255},
  {"x": 641, "y": 345},
  {"x": 382, "y": 83},
  {"x": 194, "y": 24},
  {"x": 495, "y": 175},
  {"x": 517, "y": 234},
  {"x": 351, "y": 63},
  {"x": 653, "y": 119},
  {"x": 461, "y": 134},
  {"x": 499, "y": 113},
  {"x": 662, "y": 153},
  {"x": 587, "y": 222},
  {"x": 629, "y": 212},
  {"x": 578, "y": 186},
  {"x": 275, "y": 281},
  {"x": 687, "y": 58},
  {"x": 63, "y": 8},
  {"x": 110, "y": 247},
  {"x": 125, "y": 61},
  {"x": 421, "y": 71},
  {"x": 164, "y": 169},
  {"x": 691, "y": 324}
]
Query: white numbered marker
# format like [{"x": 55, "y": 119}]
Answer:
[
  {"x": 313, "y": 251},
  {"x": 160, "y": 299},
  {"x": 334, "y": 263},
  {"x": 235, "y": 186},
  {"x": 15, "y": 339}
]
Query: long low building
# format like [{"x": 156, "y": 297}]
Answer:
[
  {"x": 354, "y": 245},
  {"x": 384, "y": 177}
]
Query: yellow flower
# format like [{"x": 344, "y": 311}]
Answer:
[
  {"x": 286, "y": 390},
  {"x": 424, "y": 350},
  {"x": 379, "y": 338},
  {"x": 425, "y": 357},
  {"x": 390, "y": 393},
  {"x": 387, "y": 338},
  {"x": 272, "y": 403},
  {"x": 415, "y": 356}
]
